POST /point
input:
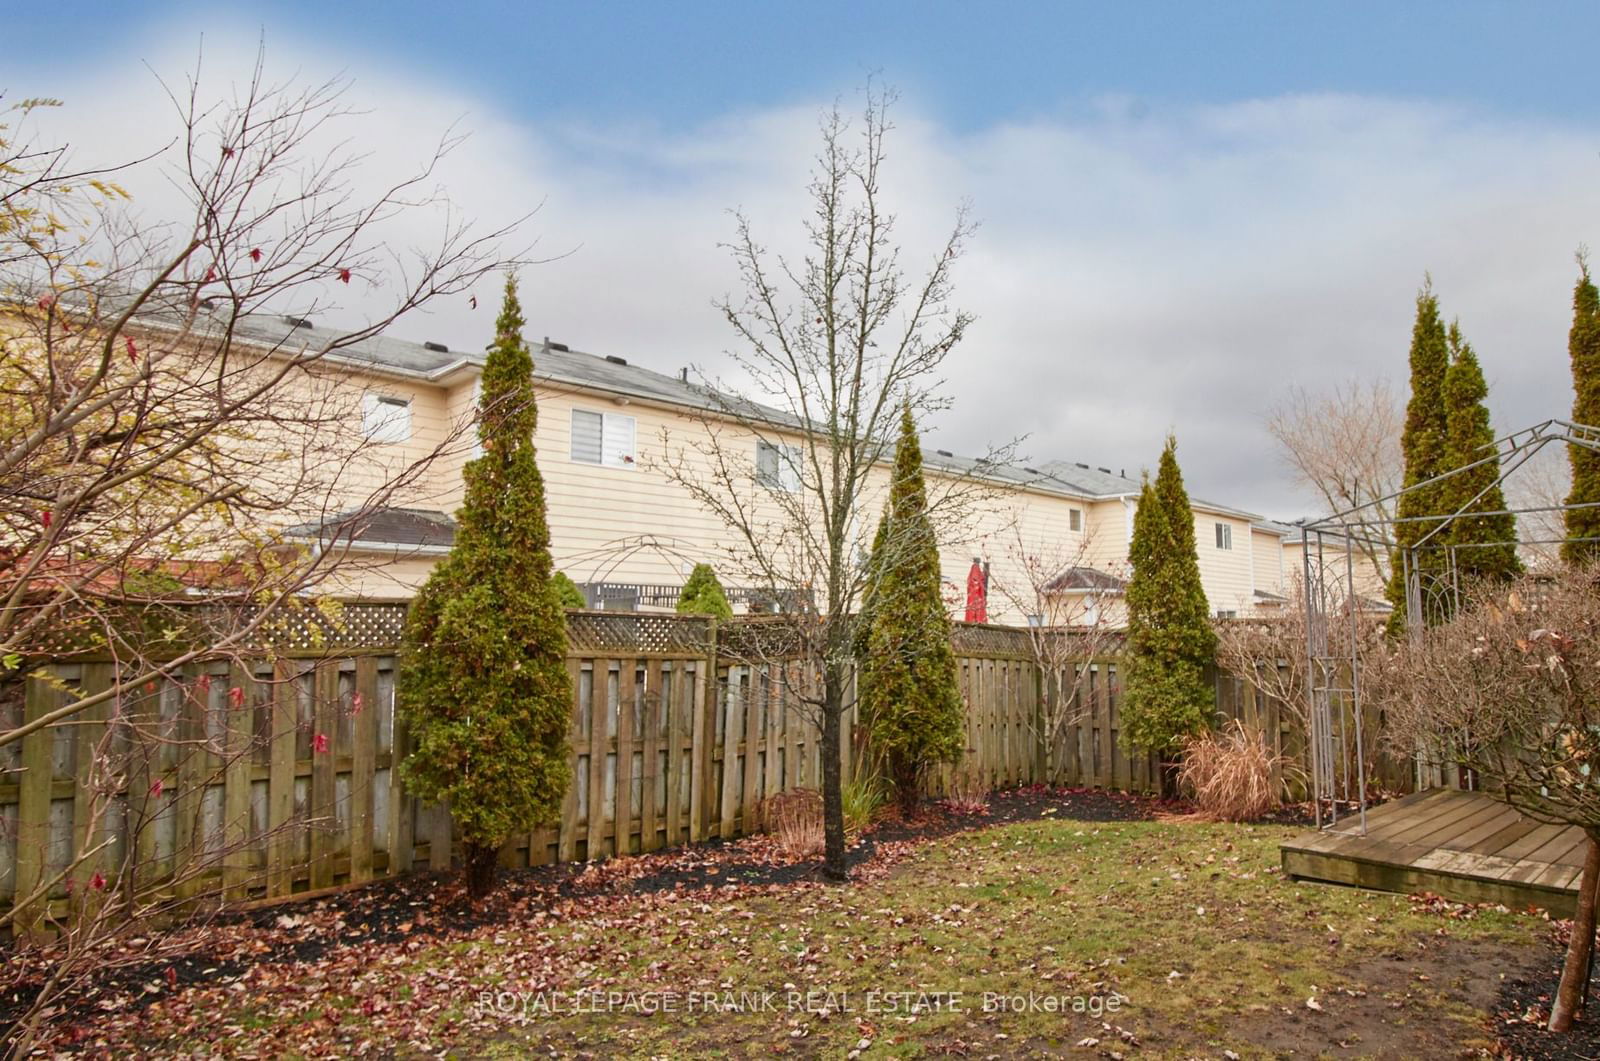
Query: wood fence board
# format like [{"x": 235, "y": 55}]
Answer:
[
  {"x": 323, "y": 814},
  {"x": 627, "y": 712},
  {"x": 679, "y": 708},
  {"x": 599, "y": 747},
  {"x": 654, "y": 718},
  {"x": 237, "y": 862},
  {"x": 733, "y": 725},
  {"x": 363, "y": 768},
  {"x": 280, "y": 779}
]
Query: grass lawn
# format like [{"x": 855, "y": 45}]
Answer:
[{"x": 1140, "y": 938}]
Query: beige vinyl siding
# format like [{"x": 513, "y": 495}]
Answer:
[
  {"x": 1267, "y": 559},
  {"x": 1225, "y": 573}
]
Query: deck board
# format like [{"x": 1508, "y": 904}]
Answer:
[{"x": 1466, "y": 846}]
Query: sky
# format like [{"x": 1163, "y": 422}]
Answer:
[{"x": 1183, "y": 209}]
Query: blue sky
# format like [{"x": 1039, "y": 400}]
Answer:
[
  {"x": 971, "y": 63},
  {"x": 1186, "y": 208}
]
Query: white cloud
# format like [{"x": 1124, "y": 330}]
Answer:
[{"x": 1138, "y": 268}]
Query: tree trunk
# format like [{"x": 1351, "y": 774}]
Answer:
[
  {"x": 907, "y": 785},
  {"x": 834, "y": 866},
  {"x": 1169, "y": 778},
  {"x": 1569, "y": 996},
  {"x": 482, "y": 865}
]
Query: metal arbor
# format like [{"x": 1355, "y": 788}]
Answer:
[{"x": 1339, "y": 620}]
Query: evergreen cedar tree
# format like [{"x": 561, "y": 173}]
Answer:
[
  {"x": 1166, "y": 698},
  {"x": 1583, "y": 345},
  {"x": 1490, "y": 540},
  {"x": 483, "y": 685},
  {"x": 1423, "y": 444},
  {"x": 567, "y": 591},
  {"x": 702, "y": 594},
  {"x": 869, "y": 590},
  {"x": 910, "y": 701}
]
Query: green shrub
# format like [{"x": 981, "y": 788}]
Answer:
[
  {"x": 567, "y": 591},
  {"x": 702, "y": 594},
  {"x": 863, "y": 795}
]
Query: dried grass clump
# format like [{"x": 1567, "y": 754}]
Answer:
[
  {"x": 1230, "y": 774},
  {"x": 969, "y": 791},
  {"x": 794, "y": 818}
]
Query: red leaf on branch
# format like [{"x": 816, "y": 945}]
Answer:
[
  {"x": 319, "y": 743},
  {"x": 355, "y": 704},
  {"x": 344, "y": 276},
  {"x": 255, "y": 254},
  {"x": 155, "y": 788},
  {"x": 227, "y": 152},
  {"x": 97, "y": 882},
  {"x": 211, "y": 274},
  {"x": 133, "y": 350},
  {"x": 44, "y": 518},
  {"x": 236, "y": 697},
  {"x": 203, "y": 683},
  {"x": 46, "y": 301}
]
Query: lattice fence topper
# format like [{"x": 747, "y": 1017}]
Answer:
[
  {"x": 629, "y": 633},
  {"x": 173, "y": 628},
  {"x": 978, "y": 639}
]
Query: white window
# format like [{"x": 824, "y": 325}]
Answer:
[
  {"x": 603, "y": 438},
  {"x": 778, "y": 466},
  {"x": 1075, "y": 519},
  {"x": 385, "y": 418},
  {"x": 1227, "y": 613},
  {"x": 1224, "y": 536}
]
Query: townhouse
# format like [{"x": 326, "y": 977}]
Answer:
[{"x": 627, "y": 532}]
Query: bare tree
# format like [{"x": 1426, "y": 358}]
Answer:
[
  {"x": 1507, "y": 689},
  {"x": 157, "y": 445},
  {"x": 1344, "y": 445},
  {"x": 838, "y": 342},
  {"x": 153, "y": 440},
  {"x": 1073, "y": 626},
  {"x": 1540, "y": 486}
]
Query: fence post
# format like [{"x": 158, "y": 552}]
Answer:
[{"x": 703, "y": 733}]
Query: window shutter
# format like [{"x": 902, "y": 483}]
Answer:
[
  {"x": 586, "y": 432},
  {"x": 789, "y": 474},
  {"x": 767, "y": 463},
  {"x": 616, "y": 441}
]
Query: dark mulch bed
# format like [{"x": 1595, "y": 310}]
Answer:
[
  {"x": 1523, "y": 1008},
  {"x": 432, "y": 905}
]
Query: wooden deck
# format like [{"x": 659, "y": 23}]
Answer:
[{"x": 1462, "y": 845}]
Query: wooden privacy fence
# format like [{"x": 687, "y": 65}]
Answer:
[{"x": 275, "y": 776}]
